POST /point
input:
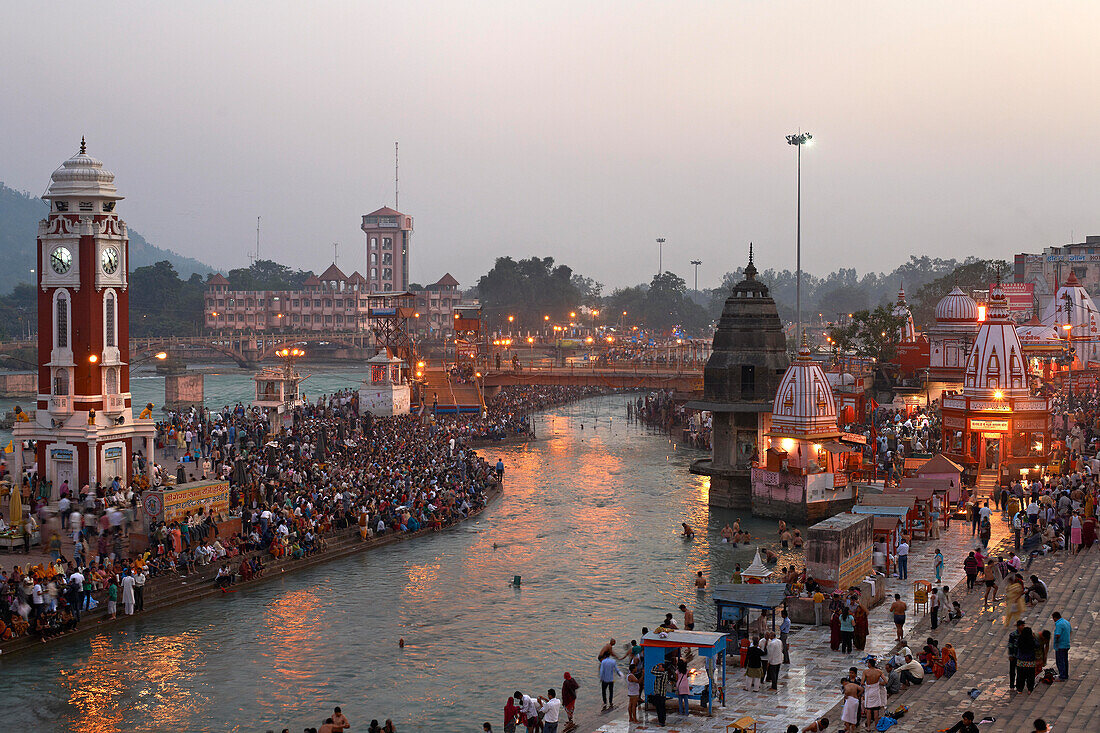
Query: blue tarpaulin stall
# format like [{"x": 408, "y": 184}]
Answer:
[
  {"x": 731, "y": 601},
  {"x": 712, "y": 648}
]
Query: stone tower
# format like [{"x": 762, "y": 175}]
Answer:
[{"x": 740, "y": 380}]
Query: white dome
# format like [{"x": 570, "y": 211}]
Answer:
[
  {"x": 957, "y": 307},
  {"x": 1073, "y": 306},
  {"x": 804, "y": 405},
  {"x": 1036, "y": 334},
  {"x": 82, "y": 175}
]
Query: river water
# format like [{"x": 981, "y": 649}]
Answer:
[{"x": 589, "y": 518}]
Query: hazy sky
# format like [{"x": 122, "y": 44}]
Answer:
[{"x": 579, "y": 130}]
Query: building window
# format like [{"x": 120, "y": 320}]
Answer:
[
  {"x": 374, "y": 242},
  {"x": 387, "y": 243},
  {"x": 294, "y": 304},
  {"x": 62, "y": 323},
  {"x": 339, "y": 304},
  {"x": 374, "y": 258},
  {"x": 374, "y": 273},
  {"x": 61, "y": 382},
  {"x": 61, "y": 205},
  {"x": 87, "y": 206},
  {"x": 387, "y": 273},
  {"x": 109, "y": 321},
  {"x": 328, "y": 303},
  {"x": 317, "y": 304},
  {"x": 387, "y": 287},
  {"x": 387, "y": 259}
]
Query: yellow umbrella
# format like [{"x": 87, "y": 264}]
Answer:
[{"x": 15, "y": 508}]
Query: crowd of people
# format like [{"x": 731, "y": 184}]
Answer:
[{"x": 329, "y": 470}]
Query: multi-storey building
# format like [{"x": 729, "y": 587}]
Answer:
[
  {"x": 1048, "y": 270},
  {"x": 436, "y": 305},
  {"x": 332, "y": 301},
  {"x": 389, "y": 234}
]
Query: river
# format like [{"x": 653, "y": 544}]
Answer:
[{"x": 589, "y": 518}]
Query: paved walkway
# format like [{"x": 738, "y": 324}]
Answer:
[{"x": 809, "y": 687}]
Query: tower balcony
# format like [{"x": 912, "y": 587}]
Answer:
[
  {"x": 61, "y": 404},
  {"x": 113, "y": 404}
]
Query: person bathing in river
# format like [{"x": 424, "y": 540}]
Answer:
[
  {"x": 785, "y": 538},
  {"x": 797, "y": 541},
  {"x": 689, "y": 533},
  {"x": 608, "y": 650},
  {"x": 727, "y": 533}
]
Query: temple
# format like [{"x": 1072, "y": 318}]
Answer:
[
  {"x": 741, "y": 376},
  {"x": 805, "y": 473},
  {"x": 994, "y": 425},
  {"x": 950, "y": 340}
]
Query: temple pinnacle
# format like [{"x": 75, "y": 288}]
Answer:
[{"x": 83, "y": 146}]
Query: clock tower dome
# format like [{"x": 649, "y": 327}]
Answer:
[{"x": 84, "y": 423}]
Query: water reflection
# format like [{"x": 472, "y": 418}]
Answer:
[{"x": 148, "y": 680}]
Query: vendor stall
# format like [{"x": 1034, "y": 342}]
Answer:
[
  {"x": 892, "y": 502},
  {"x": 887, "y": 531},
  {"x": 710, "y": 645},
  {"x": 734, "y": 602}
]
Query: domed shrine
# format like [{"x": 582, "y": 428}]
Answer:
[
  {"x": 742, "y": 375},
  {"x": 994, "y": 424},
  {"x": 804, "y": 477},
  {"x": 950, "y": 339}
]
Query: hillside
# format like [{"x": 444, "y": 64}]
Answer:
[{"x": 19, "y": 216}]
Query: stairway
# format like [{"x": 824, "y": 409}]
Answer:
[{"x": 986, "y": 485}]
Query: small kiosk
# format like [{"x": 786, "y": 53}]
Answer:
[
  {"x": 278, "y": 390},
  {"x": 388, "y": 392},
  {"x": 733, "y": 602},
  {"x": 711, "y": 646}
]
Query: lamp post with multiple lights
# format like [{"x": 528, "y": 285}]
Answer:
[
  {"x": 696, "y": 263},
  {"x": 660, "y": 255},
  {"x": 798, "y": 140}
]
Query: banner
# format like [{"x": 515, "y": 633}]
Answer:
[{"x": 169, "y": 505}]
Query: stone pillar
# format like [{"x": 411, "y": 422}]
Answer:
[{"x": 184, "y": 390}]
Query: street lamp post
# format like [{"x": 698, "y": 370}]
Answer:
[
  {"x": 660, "y": 255},
  {"x": 696, "y": 263},
  {"x": 798, "y": 140}
]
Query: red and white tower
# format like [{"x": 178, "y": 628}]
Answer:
[{"x": 84, "y": 423}]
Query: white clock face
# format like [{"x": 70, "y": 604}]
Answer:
[
  {"x": 109, "y": 260},
  {"x": 61, "y": 259}
]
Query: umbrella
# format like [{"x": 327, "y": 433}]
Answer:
[{"x": 15, "y": 510}]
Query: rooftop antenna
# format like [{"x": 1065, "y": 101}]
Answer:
[
  {"x": 395, "y": 178},
  {"x": 335, "y": 252},
  {"x": 253, "y": 256}
]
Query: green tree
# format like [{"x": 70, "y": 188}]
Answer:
[
  {"x": 529, "y": 290},
  {"x": 266, "y": 275},
  {"x": 161, "y": 304},
  {"x": 870, "y": 334}
]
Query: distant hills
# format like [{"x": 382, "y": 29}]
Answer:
[{"x": 19, "y": 216}]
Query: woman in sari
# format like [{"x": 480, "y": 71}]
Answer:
[
  {"x": 862, "y": 627},
  {"x": 947, "y": 664},
  {"x": 834, "y": 631}
]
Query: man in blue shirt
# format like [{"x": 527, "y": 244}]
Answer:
[
  {"x": 784, "y": 632},
  {"x": 608, "y": 669},
  {"x": 1061, "y": 645}
]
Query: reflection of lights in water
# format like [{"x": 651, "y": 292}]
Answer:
[
  {"x": 423, "y": 585},
  {"x": 155, "y": 670},
  {"x": 293, "y": 626}
]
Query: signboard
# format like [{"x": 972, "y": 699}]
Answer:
[
  {"x": 1035, "y": 423},
  {"x": 1021, "y": 296},
  {"x": 1032, "y": 405},
  {"x": 991, "y": 426},
  {"x": 115, "y": 452},
  {"x": 954, "y": 422},
  {"x": 912, "y": 464},
  {"x": 61, "y": 454},
  {"x": 1073, "y": 258},
  {"x": 854, "y": 438},
  {"x": 186, "y": 500},
  {"x": 985, "y": 406}
]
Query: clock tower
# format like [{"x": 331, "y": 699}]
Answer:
[{"x": 84, "y": 424}]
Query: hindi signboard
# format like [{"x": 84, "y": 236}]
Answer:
[{"x": 172, "y": 504}]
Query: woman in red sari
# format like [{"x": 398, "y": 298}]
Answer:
[
  {"x": 862, "y": 628},
  {"x": 834, "y": 631}
]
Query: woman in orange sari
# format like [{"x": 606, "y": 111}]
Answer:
[{"x": 947, "y": 663}]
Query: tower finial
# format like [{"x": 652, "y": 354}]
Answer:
[
  {"x": 83, "y": 146},
  {"x": 750, "y": 269}
]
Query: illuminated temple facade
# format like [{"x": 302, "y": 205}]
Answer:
[
  {"x": 804, "y": 475},
  {"x": 994, "y": 423}
]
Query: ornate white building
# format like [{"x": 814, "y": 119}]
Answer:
[
  {"x": 804, "y": 477},
  {"x": 1073, "y": 306},
  {"x": 907, "y": 332},
  {"x": 949, "y": 341}
]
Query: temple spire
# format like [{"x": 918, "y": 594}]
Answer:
[
  {"x": 83, "y": 146},
  {"x": 750, "y": 269}
]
